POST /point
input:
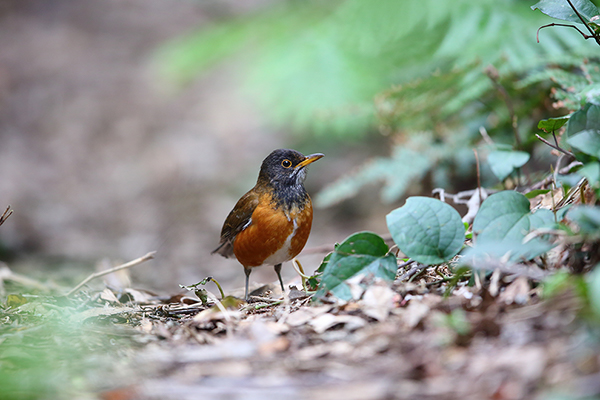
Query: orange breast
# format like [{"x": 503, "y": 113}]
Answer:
[{"x": 274, "y": 236}]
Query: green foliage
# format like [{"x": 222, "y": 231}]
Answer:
[
  {"x": 406, "y": 68},
  {"x": 457, "y": 321},
  {"x": 506, "y": 216},
  {"x": 577, "y": 80},
  {"x": 588, "y": 220},
  {"x": 585, "y": 287},
  {"x": 427, "y": 230},
  {"x": 503, "y": 162},
  {"x": 502, "y": 223},
  {"x": 52, "y": 351},
  {"x": 583, "y": 135},
  {"x": 553, "y": 124},
  {"x": 588, "y": 118},
  {"x": 587, "y": 142},
  {"x": 408, "y": 164},
  {"x": 361, "y": 253},
  {"x": 560, "y": 9},
  {"x": 316, "y": 65},
  {"x": 593, "y": 283}
]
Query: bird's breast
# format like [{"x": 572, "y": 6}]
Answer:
[{"x": 275, "y": 234}]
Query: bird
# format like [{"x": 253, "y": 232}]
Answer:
[{"x": 270, "y": 224}]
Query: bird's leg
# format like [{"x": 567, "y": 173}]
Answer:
[
  {"x": 247, "y": 271},
  {"x": 278, "y": 272}
]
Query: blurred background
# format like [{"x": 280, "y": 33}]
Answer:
[{"x": 128, "y": 126}]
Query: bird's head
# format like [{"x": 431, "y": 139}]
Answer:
[{"x": 286, "y": 167}]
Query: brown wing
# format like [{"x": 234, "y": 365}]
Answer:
[{"x": 238, "y": 219}]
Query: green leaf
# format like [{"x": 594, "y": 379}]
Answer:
[
  {"x": 555, "y": 283},
  {"x": 591, "y": 171},
  {"x": 587, "y": 218},
  {"x": 536, "y": 192},
  {"x": 552, "y": 124},
  {"x": 560, "y": 9},
  {"x": 594, "y": 290},
  {"x": 427, "y": 230},
  {"x": 360, "y": 253},
  {"x": 480, "y": 254},
  {"x": 501, "y": 225},
  {"x": 586, "y": 141},
  {"x": 506, "y": 216},
  {"x": 586, "y": 118},
  {"x": 503, "y": 163}
]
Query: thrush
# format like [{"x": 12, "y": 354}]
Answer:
[{"x": 270, "y": 224}]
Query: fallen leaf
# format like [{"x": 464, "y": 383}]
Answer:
[
  {"x": 213, "y": 314},
  {"x": 415, "y": 312},
  {"x": 327, "y": 321},
  {"x": 304, "y": 315},
  {"x": 378, "y": 301},
  {"x": 108, "y": 295},
  {"x": 517, "y": 292},
  {"x": 15, "y": 300}
]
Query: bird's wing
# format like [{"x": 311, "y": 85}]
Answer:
[{"x": 238, "y": 219}]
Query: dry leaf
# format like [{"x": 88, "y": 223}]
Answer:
[
  {"x": 378, "y": 301},
  {"x": 415, "y": 312},
  {"x": 326, "y": 321},
  {"x": 517, "y": 292},
  {"x": 304, "y": 315},
  {"x": 108, "y": 295},
  {"x": 213, "y": 314}
]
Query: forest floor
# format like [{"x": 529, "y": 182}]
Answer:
[{"x": 498, "y": 339}]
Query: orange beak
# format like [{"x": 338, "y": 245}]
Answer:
[{"x": 310, "y": 159}]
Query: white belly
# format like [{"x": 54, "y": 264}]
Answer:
[{"x": 283, "y": 254}]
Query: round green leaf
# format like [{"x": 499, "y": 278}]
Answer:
[
  {"x": 586, "y": 141},
  {"x": 552, "y": 124},
  {"x": 506, "y": 216},
  {"x": 503, "y": 163},
  {"x": 587, "y": 218},
  {"x": 586, "y": 118},
  {"x": 366, "y": 243},
  {"x": 427, "y": 230},
  {"x": 363, "y": 252}
]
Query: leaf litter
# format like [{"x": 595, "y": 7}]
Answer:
[
  {"x": 404, "y": 340},
  {"x": 437, "y": 332}
]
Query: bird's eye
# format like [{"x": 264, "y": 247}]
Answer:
[{"x": 286, "y": 163}]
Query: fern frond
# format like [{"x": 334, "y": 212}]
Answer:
[{"x": 316, "y": 65}]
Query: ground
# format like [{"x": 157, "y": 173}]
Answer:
[{"x": 410, "y": 340}]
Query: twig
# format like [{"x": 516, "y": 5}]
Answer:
[
  {"x": 464, "y": 196},
  {"x": 443, "y": 280},
  {"x": 7, "y": 213},
  {"x": 549, "y": 179},
  {"x": 555, "y": 147},
  {"x": 7, "y": 275},
  {"x": 411, "y": 272},
  {"x": 406, "y": 264},
  {"x": 95, "y": 275},
  {"x": 537, "y": 35},
  {"x": 486, "y": 136}
]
